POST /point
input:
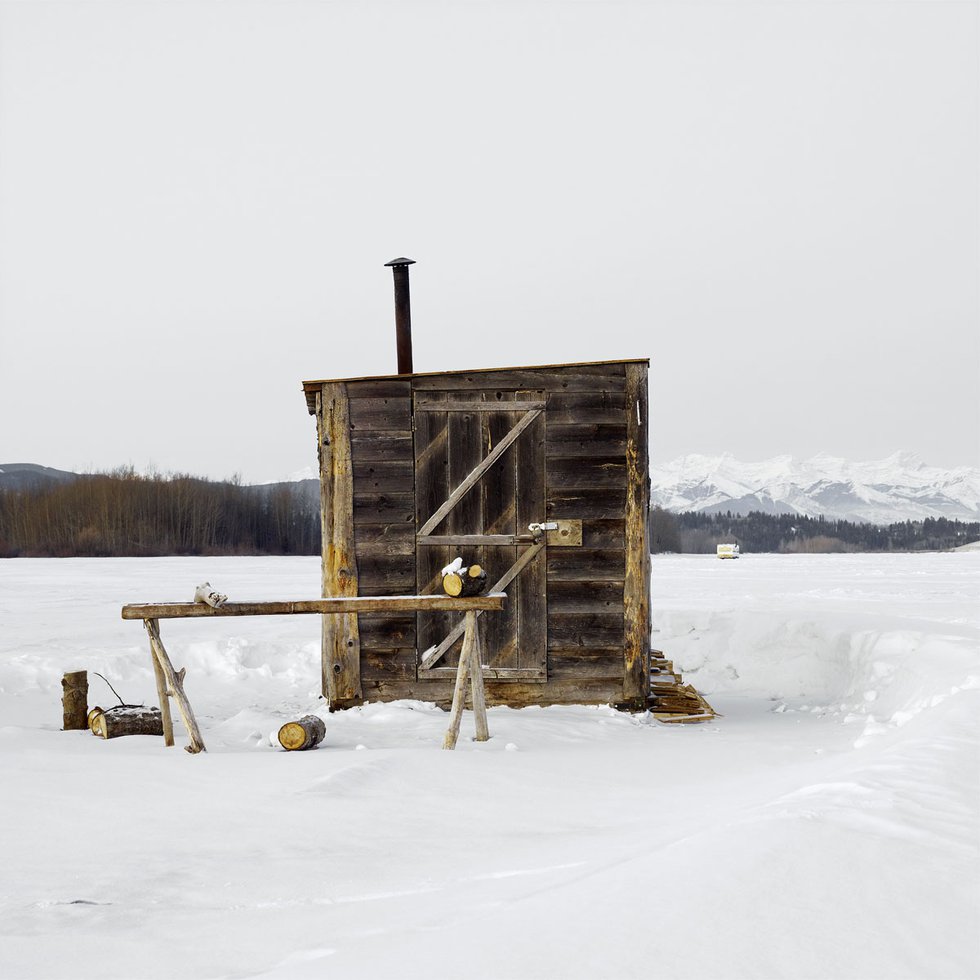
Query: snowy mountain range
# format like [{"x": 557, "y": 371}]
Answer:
[{"x": 898, "y": 488}]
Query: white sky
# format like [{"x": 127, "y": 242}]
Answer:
[{"x": 775, "y": 202}]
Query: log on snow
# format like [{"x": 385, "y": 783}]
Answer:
[
  {"x": 307, "y": 733},
  {"x": 74, "y": 700},
  {"x": 128, "y": 719}
]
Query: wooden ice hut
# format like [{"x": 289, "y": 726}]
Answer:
[{"x": 539, "y": 475}]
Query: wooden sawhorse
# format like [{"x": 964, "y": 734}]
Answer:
[{"x": 170, "y": 682}]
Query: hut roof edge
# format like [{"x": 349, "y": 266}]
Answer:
[{"x": 310, "y": 387}]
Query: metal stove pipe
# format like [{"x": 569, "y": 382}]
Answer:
[{"x": 403, "y": 313}]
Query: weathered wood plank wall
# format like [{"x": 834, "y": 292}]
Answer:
[
  {"x": 341, "y": 651},
  {"x": 586, "y": 480},
  {"x": 382, "y": 450},
  {"x": 591, "y": 442}
]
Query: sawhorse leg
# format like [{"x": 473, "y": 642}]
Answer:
[
  {"x": 170, "y": 683},
  {"x": 470, "y": 669}
]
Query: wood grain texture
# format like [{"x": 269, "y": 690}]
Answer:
[
  {"x": 469, "y": 668},
  {"x": 175, "y": 687},
  {"x": 379, "y": 388},
  {"x": 568, "y": 690},
  {"x": 569, "y": 631},
  {"x": 305, "y": 733},
  {"x": 378, "y": 414},
  {"x": 127, "y": 720},
  {"x": 384, "y": 475},
  {"x": 341, "y": 651},
  {"x": 551, "y": 378},
  {"x": 597, "y": 471},
  {"x": 584, "y": 596},
  {"x": 468, "y": 404},
  {"x": 163, "y": 699},
  {"x": 636, "y": 587},
  {"x": 371, "y": 507},
  {"x": 385, "y": 444},
  {"x": 584, "y": 437},
  {"x": 499, "y": 674},
  {"x": 388, "y": 665},
  {"x": 470, "y": 480},
  {"x": 531, "y": 586},
  {"x": 365, "y": 605},
  {"x": 602, "y": 504},
  {"x": 74, "y": 700},
  {"x": 578, "y": 376},
  {"x": 439, "y": 650},
  {"x": 431, "y": 490},
  {"x": 499, "y": 490},
  {"x": 459, "y": 691},
  {"x": 577, "y": 440},
  {"x": 585, "y": 565}
]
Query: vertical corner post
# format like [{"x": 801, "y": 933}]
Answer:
[
  {"x": 341, "y": 646},
  {"x": 636, "y": 591}
]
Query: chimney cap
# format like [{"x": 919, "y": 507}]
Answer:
[{"x": 401, "y": 261}]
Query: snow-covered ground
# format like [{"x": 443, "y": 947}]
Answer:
[{"x": 825, "y": 827}]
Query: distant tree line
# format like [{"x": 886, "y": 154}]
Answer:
[
  {"x": 123, "y": 513},
  {"x": 126, "y": 514},
  {"x": 696, "y": 533}
]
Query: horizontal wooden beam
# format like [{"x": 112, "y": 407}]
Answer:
[
  {"x": 526, "y": 674},
  {"x": 476, "y": 540},
  {"x": 353, "y": 604},
  {"x": 443, "y": 406}
]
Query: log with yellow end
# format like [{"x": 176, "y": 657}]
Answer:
[
  {"x": 307, "y": 733},
  {"x": 465, "y": 581}
]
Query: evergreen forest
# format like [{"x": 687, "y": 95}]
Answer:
[{"x": 696, "y": 533}]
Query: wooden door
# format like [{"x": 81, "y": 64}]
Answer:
[{"x": 479, "y": 483}]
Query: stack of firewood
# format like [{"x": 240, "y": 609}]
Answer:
[
  {"x": 671, "y": 700},
  {"x": 463, "y": 580}
]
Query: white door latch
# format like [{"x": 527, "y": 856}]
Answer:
[{"x": 541, "y": 528}]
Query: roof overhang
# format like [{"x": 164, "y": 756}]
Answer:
[{"x": 310, "y": 388}]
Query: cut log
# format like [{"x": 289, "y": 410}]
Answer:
[
  {"x": 465, "y": 581},
  {"x": 307, "y": 733},
  {"x": 127, "y": 719},
  {"x": 74, "y": 700}
]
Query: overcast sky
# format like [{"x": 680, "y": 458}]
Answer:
[{"x": 777, "y": 203}]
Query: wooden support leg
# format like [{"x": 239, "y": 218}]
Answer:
[
  {"x": 175, "y": 688},
  {"x": 162, "y": 696},
  {"x": 476, "y": 679},
  {"x": 469, "y": 668},
  {"x": 459, "y": 693}
]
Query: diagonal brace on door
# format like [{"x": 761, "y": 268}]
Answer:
[
  {"x": 457, "y": 495},
  {"x": 435, "y": 654}
]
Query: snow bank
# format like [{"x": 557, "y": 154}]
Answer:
[{"x": 850, "y": 636}]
